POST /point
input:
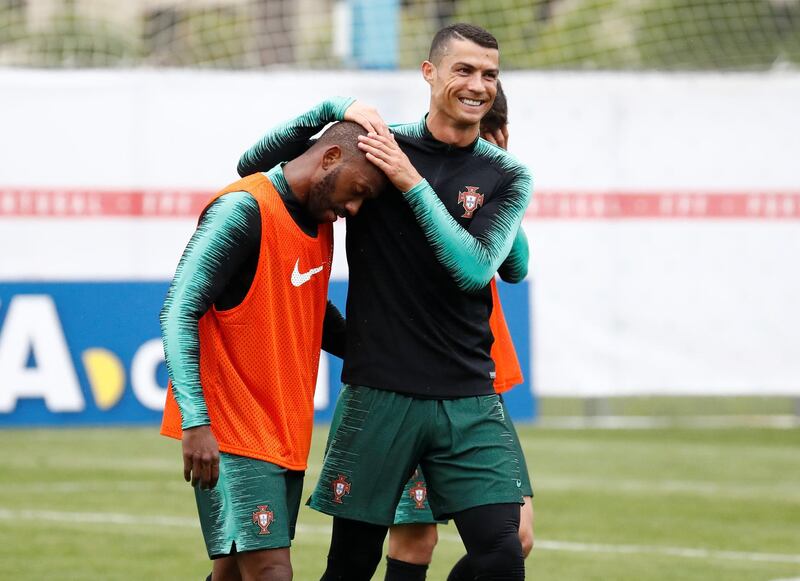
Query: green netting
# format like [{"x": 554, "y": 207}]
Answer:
[{"x": 541, "y": 34}]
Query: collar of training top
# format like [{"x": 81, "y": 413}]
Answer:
[{"x": 435, "y": 145}]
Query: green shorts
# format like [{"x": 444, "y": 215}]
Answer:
[
  {"x": 413, "y": 507},
  {"x": 254, "y": 506},
  {"x": 463, "y": 445}
]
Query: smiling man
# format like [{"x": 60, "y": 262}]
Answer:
[
  {"x": 414, "y": 536},
  {"x": 417, "y": 369},
  {"x": 242, "y": 327}
]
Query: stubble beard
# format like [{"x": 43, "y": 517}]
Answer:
[{"x": 320, "y": 194}]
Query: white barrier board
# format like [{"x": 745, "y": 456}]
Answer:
[{"x": 687, "y": 295}]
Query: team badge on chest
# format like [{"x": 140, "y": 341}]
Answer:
[
  {"x": 340, "y": 487},
  {"x": 418, "y": 494},
  {"x": 263, "y": 517},
  {"x": 471, "y": 200}
]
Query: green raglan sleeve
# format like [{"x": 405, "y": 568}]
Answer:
[
  {"x": 287, "y": 141},
  {"x": 225, "y": 237},
  {"x": 515, "y": 267},
  {"x": 472, "y": 256}
]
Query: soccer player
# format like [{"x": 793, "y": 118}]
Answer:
[
  {"x": 418, "y": 371},
  {"x": 242, "y": 326},
  {"x": 413, "y": 537}
]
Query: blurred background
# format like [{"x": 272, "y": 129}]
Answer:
[
  {"x": 662, "y": 299},
  {"x": 662, "y": 135}
]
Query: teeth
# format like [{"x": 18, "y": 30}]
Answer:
[{"x": 471, "y": 102}]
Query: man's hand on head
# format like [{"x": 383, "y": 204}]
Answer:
[
  {"x": 366, "y": 116},
  {"x": 384, "y": 152},
  {"x": 200, "y": 457}
]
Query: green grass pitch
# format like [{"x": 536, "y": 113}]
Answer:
[{"x": 669, "y": 504}]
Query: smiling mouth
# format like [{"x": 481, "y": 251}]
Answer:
[{"x": 471, "y": 102}]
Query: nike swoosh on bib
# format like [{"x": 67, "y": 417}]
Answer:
[{"x": 301, "y": 278}]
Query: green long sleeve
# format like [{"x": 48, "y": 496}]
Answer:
[
  {"x": 472, "y": 256},
  {"x": 515, "y": 268},
  {"x": 214, "y": 254}
]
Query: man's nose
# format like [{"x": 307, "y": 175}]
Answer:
[
  {"x": 353, "y": 206},
  {"x": 476, "y": 83}
]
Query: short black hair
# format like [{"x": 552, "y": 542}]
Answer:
[
  {"x": 460, "y": 31},
  {"x": 345, "y": 135},
  {"x": 497, "y": 116}
]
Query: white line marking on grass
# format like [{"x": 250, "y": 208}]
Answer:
[
  {"x": 779, "y": 492},
  {"x": 670, "y": 551},
  {"x": 93, "y": 463},
  {"x": 96, "y": 518},
  {"x": 575, "y": 547},
  {"x": 541, "y": 545},
  {"x": 84, "y": 486},
  {"x": 661, "y": 422}
]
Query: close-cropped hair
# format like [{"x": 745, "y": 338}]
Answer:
[
  {"x": 460, "y": 31},
  {"x": 345, "y": 135}
]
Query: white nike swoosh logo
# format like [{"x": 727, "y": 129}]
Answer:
[{"x": 301, "y": 278}]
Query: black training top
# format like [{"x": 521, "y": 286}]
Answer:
[{"x": 418, "y": 302}]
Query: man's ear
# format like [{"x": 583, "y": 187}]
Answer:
[
  {"x": 428, "y": 71},
  {"x": 331, "y": 157}
]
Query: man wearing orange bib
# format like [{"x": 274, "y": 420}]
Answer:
[{"x": 242, "y": 327}]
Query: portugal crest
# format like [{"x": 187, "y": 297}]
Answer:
[
  {"x": 471, "y": 200},
  {"x": 263, "y": 517},
  {"x": 418, "y": 494},
  {"x": 340, "y": 487}
]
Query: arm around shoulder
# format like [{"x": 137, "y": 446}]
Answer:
[{"x": 288, "y": 140}]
